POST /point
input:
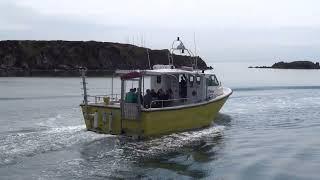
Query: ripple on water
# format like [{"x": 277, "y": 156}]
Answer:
[
  {"x": 261, "y": 135},
  {"x": 121, "y": 157},
  {"x": 18, "y": 145}
]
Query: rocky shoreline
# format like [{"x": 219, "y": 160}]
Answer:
[
  {"x": 63, "y": 58},
  {"x": 52, "y": 73},
  {"x": 292, "y": 65}
]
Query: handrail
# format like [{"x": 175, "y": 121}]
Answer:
[
  {"x": 168, "y": 100},
  {"x": 185, "y": 101},
  {"x": 99, "y": 98}
]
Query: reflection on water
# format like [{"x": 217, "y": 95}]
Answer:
[{"x": 184, "y": 160}]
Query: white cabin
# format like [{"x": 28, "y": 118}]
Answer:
[{"x": 200, "y": 85}]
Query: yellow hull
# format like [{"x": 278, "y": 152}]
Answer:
[{"x": 154, "y": 122}]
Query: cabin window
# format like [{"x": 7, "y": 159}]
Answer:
[
  {"x": 191, "y": 80},
  {"x": 159, "y": 79},
  {"x": 213, "y": 81},
  {"x": 183, "y": 77},
  {"x": 198, "y": 79}
]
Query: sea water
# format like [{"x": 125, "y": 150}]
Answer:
[{"x": 268, "y": 129}]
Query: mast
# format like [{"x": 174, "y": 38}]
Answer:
[
  {"x": 84, "y": 85},
  {"x": 112, "y": 87}
]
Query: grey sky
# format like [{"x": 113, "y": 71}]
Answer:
[{"x": 226, "y": 30}]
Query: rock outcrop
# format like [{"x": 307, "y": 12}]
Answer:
[
  {"x": 51, "y": 58},
  {"x": 292, "y": 65}
]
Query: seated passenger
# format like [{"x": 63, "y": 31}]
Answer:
[
  {"x": 153, "y": 94},
  {"x": 160, "y": 94},
  {"x": 154, "y": 98},
  {"x": 169, "y": 93},
  {"x": 167, "y": 97},
  {"x": 162, "y": 97}
]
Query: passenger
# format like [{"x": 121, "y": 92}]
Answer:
[
  {"x": 166, "y": 97},
  {"x": 147, "y": 99},
  {"x": 153, "y": 94},
  {"x": 159, "y": 93},
  {"x": 183, "y": 86},
  {"x": 170, "y": 93},
  {"x": 135, "y": 96},
  {"x": 139, "y": 96},
  {"x": 154, "y": 98},
  {"x": 130, "y": 96},
  {"x": 162, "y": 98}
]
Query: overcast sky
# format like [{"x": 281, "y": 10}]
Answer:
[{"x": 226, "y": 30}]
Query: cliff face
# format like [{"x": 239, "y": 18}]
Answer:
[{"x": 66, "y": 56}]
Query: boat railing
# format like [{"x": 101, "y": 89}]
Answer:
[
  {"x": 102, "y": 98},
  {"x": 169, "y": 102}
]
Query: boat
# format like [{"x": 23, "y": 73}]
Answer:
[{"x": 188, "y": 98}]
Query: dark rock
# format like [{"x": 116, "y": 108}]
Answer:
[
  {"x": 292, "y": 65},
  {"x": 296, "y": 65},
  {"x": 46, "y": 57}
]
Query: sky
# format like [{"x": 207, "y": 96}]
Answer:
[{"x": 224, "y": 30}]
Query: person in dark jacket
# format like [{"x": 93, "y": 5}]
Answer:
[
  {"x": 183, "y": 86},
  {"x": 139, "y": 96},
  {"x": 147, "y": 99},
  {"x": 153, "y": 94}
]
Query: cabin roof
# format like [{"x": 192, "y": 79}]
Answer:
[
  {"x": 169, "y": 71},
  {"x": 157, "y": 72}
]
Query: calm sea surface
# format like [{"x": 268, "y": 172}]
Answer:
[{"x": 268, "y": 129}]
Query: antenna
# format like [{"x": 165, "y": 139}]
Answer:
[
  {"x": 195, "y": 50},
  {"x": 148, "y": 58},
  {"x": 141, "y": 39},
  {"x": 148, "y": 55},
  {"x": 195, "y": 45}
]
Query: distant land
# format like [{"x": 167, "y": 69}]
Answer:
[
  {"x": 63, "y": 58},
  {"x": 292, "y": 65}
]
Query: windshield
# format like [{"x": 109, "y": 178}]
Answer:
[{"x": 212, "y": 81}]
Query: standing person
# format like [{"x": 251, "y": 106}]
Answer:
[
  {"x": 139, "y": 96},
  {"x": 130, "y": 96},
  {"x": 183, "y": 86},
  {"x": 134, "y": 96},
  {"x": 147, "y": 99}
]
